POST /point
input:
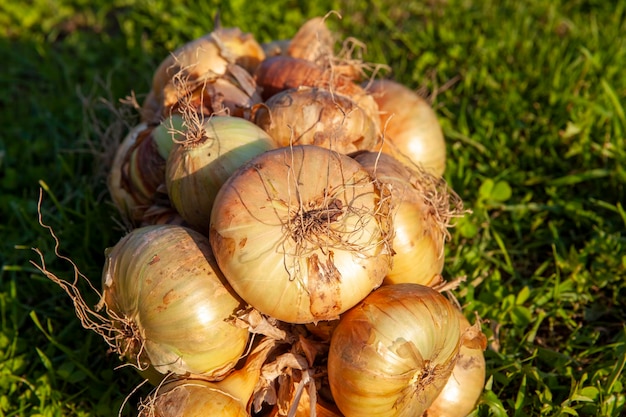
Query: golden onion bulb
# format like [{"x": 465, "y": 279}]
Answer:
[
  {"x": 412, "y": 132},
  {"x": 465, "y": 386},
  {"x": 301, "y": 233},
  {"x": 208, "y": 153},
  {"x": 192, "y": 398},
  {"x": 315, "y": 116},
  {"x": 423, "y": 207},
  {"x": 170, "y": 303},
  {"x": 393, "y": 353}
]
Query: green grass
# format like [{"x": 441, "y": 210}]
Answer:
[{"x": 531, "y": 95}]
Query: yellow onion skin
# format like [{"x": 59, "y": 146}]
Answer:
[
  {"x": 196, "y": 169},
  {"x": 165, "y": 293},
  {"x": 314, "y": 116},
  {"x": 301, "y": 233},
  {"x": 412, "y": 132},
  {"x": 419, "y": 237},
  {"x": 466, "y": 384},
  {"x": 393, "y": 353},
  {"x": 193, "y": 398}
]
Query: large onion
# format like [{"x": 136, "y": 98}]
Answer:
[
  {"x": 208, "y": 153},
  {"x": 392, "y": 354},
  {"x": 314, "y": 116},
  {"x": 170, "y": 303},
  {"x": 412, "y": 131},
  {"x": 423, "y": 207},
  {"x": 301, "y": 233}
]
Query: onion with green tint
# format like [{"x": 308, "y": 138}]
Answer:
[
  {"x": 170, "y": 304},
  {"x": 207, "y": 153}
]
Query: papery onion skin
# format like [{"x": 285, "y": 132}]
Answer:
[
  {"x": 162, "y": 287},
  {"x": 392, "y": 353},
  {"x": 192, "y": 398},
  {"x": 412, "y": 132},
  {"x": 196, "y": 169},
  {"x": 466, "y": 384},
  {"x": 315, "y": 116},
  {"x": 301, "y": 233},
  {"x": 213, "y": 72},
  {"x": 138, "y": 170},
  {"x": 419, "y": 223}
]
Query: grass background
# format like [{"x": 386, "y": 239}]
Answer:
[{"x": 531, "y": 96}]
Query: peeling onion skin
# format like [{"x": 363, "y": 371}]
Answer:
[
  {"x": 466, "y": 384},
  {"x": 411, "y": 129},
  {"x": 161, "y": 285},
  {"x": 301, "y": 233},
  {"x": 392, "y": 353}
]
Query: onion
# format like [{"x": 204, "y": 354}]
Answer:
[
  {"x": 465, "y": 386},
  {"x": 313, "y": 116},
  {"x": 213, "y": 71},
  {"x": 192, "y": 398},
  {"x": 412, "y": 131},
  {"x": 170, "y": 303},
  {"x": 423, "y": 207},
  {"x": 392, "y": 354},
  {"x": 138, "y": 169},
  {"x": 231, "y": 397},
  {"x": 209, "y": 152},
  {"x": 313, "y": 41},
  {"x": 301, "y": 233}
]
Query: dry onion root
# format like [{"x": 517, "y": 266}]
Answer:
[
  {"x": 411, "y": 129},
  {"x": 392, "y": 353},
  {"x": 169, "y": 303},
  {"x": 423, "y": 207},
  {"x": 302, "y": 233}
]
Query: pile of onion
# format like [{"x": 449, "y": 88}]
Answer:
[{"x": 284, "y": 255}]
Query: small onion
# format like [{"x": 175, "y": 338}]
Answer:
[
  {"x": 465, "y": 386},
  {"x": 412, "y": 131},
  {"x": 215, "y": 70},
  {"x": 392, "y": 354},
  {"x": 170, "y": 303},
  {"x": 313, "y": 116},
  {"x": 301, "y": 233},
  {"x": 313, "y": 41},
  {"x": 230, "y": 397},
  {"x": 202, "y": 161},
  {"x": 423, "y": 207},
  {"x": 192, "y": 398}
]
